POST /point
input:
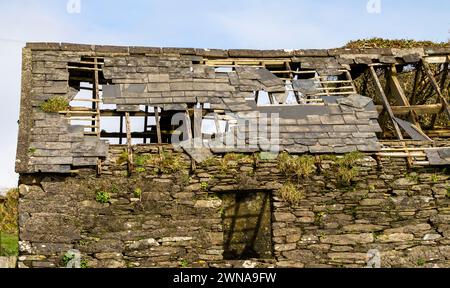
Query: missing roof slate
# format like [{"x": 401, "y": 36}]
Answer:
[{"x": 177, "y": 79}]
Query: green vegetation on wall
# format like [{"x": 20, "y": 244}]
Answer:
[
  {"x": 290, "y": 193},
  {"x": 54, "y": 105},
  {"x": 346, "y": 166},
  {"x": 8, "y": 224},
  {"x": 229, "y": 162},
  {"x": 296, "y": 166},
  {"x": 102, "y": 197},
  {"x": 68, "y": 256},
  {"x": 165, "y": 162},
  {"x": 392, "y": 43}
]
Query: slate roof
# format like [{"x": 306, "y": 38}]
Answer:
[{"x": 173, "y": 78}]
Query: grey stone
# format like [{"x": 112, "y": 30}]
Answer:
[
  {"x": 306, "y": 86},
  {"x": 111, "y": 91},
  {"x": 408, "y": 127},
  {"x": 284, "y": 217},
  {"x": 128, "y": 108},
  {"x": 355, "y": 100},
  {"x": 348, "y": 239},
  {"x": 395, "y": 237}
]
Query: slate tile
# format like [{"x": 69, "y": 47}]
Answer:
[
  {"x": 345, "y": 128},
  {"x": 344, "y": 149},
  {"x": 365, "y": 128},
  {"x": 163, "y": 77},
  {"x": 320, "y": 128},
  {"x": 363, "y": 134},
  {"x": 367, "y": 115},
  {"x": 334, "y": 109},
  {"x": 295, "y": 149},
  {"x": 181, "y": 86},
  {"x": 158, "y": 87},
  {"x": 369, "y": 147},
  {"x": 313, "y": 119},
  {"x": 294, "y": 129},
  {"x": 339, "y": 134},
  {"x": 350, "y": 119},
  {"x": 320, "y": 149},
  {"x": 332, "y": 119},
  {"x": 316, "y": 135},
  {"x": 307, "y": 142}
]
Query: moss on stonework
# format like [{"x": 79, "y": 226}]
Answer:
[
  {"x": 166, "y": 162},
  {"x": 69, "y": 256},
  {"x": 54, "y": 105},
  {"x": 204, "y": 186},
  {"x": 123, "y": 158},
  {"x": 31, "y": 151},
  {"x": 239, "y": 157},
  {"x": 137, "y": 192},
  {"x": 211, "y": 161},
  {"x": 228, "y": 162},
  {"x": 393, "y": 43},
  {"x": 140, "y": 160},
  {"x": 102, "y": 197}
]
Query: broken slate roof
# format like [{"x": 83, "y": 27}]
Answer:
[{"x": 177, "y": 78}]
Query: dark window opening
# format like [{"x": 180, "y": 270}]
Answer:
[{"x": 247, "y": 225}]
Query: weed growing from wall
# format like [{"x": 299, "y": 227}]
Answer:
[
  {"x": 102, "y": 197},
  {"x": 290, "y": 193},
  {"x": 346, "y": 167},
  {"x": 137, "y": 192},
  {"x": 295, "y": 166}
]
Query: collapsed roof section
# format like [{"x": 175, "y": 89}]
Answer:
[
  {"x": 328, "y": 125},
  {"x": 320, "y": 105}
]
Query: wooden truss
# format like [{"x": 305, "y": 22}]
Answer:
[{"x": 401, "y": 105}]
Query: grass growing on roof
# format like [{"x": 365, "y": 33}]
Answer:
[{"x": 393, "y": 43}]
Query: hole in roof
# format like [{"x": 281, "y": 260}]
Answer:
[
  {"x": 262, "y": 98},
  {"x": 223, "y": 69},
  {"x": 291, "y": 99}
]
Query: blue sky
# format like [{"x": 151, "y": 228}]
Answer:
[{"x": 256, "y": 24}]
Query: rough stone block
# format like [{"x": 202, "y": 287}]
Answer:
[{"x": 348, "y": 239}]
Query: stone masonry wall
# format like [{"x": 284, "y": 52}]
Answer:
[{"x": 167, "y": 214}]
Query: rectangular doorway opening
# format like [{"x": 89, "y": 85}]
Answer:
[{"x": 247, "y": 225}]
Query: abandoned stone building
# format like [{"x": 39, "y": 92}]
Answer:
[{"x": 181, "y": 157}]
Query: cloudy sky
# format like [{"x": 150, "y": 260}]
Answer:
[{"x": 259, "y": 24}]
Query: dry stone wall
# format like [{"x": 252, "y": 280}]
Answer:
[{"x": 167, "y": 214}]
